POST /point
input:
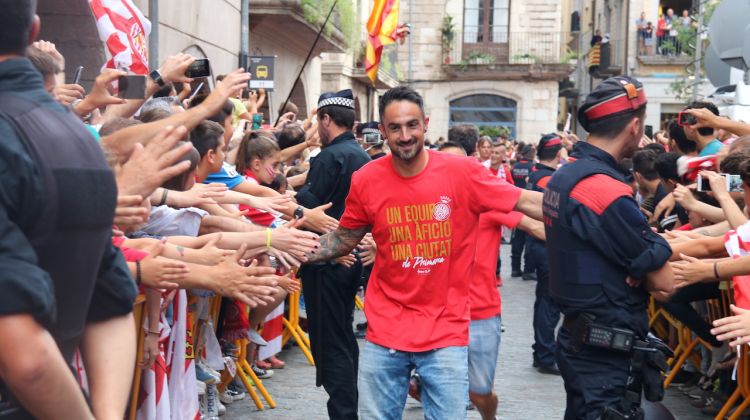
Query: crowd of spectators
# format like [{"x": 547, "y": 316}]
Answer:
[{"x": 662, "y": 37}]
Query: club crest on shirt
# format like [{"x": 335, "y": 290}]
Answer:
[{"x": 442, "y": 209}]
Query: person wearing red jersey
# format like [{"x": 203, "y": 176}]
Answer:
[
  {"x": 422, "y": 208},
  {"x": 485, "y": 301}
]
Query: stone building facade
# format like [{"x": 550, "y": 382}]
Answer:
[{"x": 501, "y": 68}]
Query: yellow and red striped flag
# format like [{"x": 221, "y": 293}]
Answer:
[{"x": 381, "y": 30}]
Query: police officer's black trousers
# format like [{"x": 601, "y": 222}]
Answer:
[
  {"x": 594, "y": 378},
  {"x": 679, "y": 306},
  {"x": 329, "y": 299},
  {"x": 517, "y": 245},
  {"x": 546, "y": 312}
]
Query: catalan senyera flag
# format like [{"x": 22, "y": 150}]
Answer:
[
  {"x": 381, "y": 29},
  {"x": 123, "y": 29}
]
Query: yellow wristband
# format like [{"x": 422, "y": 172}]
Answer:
[{"x": 268, "y": 239}]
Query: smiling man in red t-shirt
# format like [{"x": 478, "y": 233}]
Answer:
[{"x": 422, "y": 208}]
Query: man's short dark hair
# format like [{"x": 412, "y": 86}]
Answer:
[
  {"x": 644, "y": 163},
  {"x": 153, "y": 114},
  {"x": 611, "y": 126},
  {"x": 342, "y": 116},
  {"x": 656, "y": 147},
  {"x": 666, "y": 166},
  {"x": 732, "y": 163},
  {"x": 745, "y": 172},
  {"x": 115, "y": 124},
  {"x": 465, "y": 135},
  {"x": 178, "y": 182},
  {"x": 704, "y": 131},
  {"x": 43, "y": 61},
  {"x": 163, "y": 91},
  {"x": 400, "y": 93},
  {"x": 289, "y": 107},
  {"x": 449, "y": 144},
  {"x": 221, "y": 115},
  {"x": 677, "y": 133},
  {"x": 15, "y": 25},
  {"x": 206, "y": 136},
  {"x": 291, "y": 135}
]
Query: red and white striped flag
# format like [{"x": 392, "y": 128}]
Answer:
[
  {"x": 737, "y": 243},
  {"x": 273, "y": 327},
  {"x": 183, "y": 390},
  {"x": 123, "y": 29},
  {"x": 688, "y": 167},
  {"x": 153, "y": 401}
]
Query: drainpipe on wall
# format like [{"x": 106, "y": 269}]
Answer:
[
  {"x": 627, "y": 37},
  {"x": 244, "y": 33},
  {"x": 153, "y": 38}
]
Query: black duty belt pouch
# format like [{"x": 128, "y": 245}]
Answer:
[{"x": 654, "y": 367}]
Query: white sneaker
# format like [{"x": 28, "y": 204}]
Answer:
[
  {"x": 225, "y": 397},
  {"x": 262, "y": 373},
  {"x": 201, "y": 387}
]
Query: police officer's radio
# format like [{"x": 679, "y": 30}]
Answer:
[{"x": 609, "y": 338}]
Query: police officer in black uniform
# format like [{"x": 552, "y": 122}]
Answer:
[
  {"x": 58, "y": 267},
  {"x": 520, "y": 173},
  {"x": 329, "y": 287},
  {"x": 546, "y": 312},
  {"x": 604, "y": 258}
]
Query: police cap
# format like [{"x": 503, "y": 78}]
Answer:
[
  {"x": 343, "y": 98},
  {"x": 616, "y": 95}
]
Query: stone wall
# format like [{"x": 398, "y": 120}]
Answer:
[
  {"x": 537, "y": 104},
  {"x": 211, "y": 25}
]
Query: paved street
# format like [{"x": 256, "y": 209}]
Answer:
[{"x": 524, "y": 393}]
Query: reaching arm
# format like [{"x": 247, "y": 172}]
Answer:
[
  {"x": 706, "y": 118},
  {"x": 123, "y": 141},
  {"x": 718, "y": 229},
  {"x": 533, "y": 227},
  {"x": 35, "y": 371},
  {"x": 530, "y": 204},
  {"x": 660, "y": 283},
  {"x": 708, "y": 247},
  {"x": 337, "y": 244}
]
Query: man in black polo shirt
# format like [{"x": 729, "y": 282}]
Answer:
[
  {"x": 329, "y": 288},
  {"x": 57, "y": 202}
]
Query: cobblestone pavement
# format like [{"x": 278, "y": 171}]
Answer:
[{"x": 523, "y": 392}]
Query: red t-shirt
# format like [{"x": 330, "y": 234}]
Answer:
[
  {"x": 425, "y": 229},
  {"x": 256, "y": 216},
  {"x": 484, "y": 297}
]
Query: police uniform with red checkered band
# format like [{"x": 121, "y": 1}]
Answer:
[
  {"x": 596, "y": 238},
  {"x": 546, "y": 312}
]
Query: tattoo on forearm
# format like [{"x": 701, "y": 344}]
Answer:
[{"x": 336, "y": 244}]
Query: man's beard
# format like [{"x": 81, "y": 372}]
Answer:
[{"x": 407, "y": 156}]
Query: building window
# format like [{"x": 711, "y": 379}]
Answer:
[
  {"x": 484, "y": 111},
  {"x": 486, "y": 21}
]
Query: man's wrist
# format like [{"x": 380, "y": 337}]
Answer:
[{"x": 83, "y": 107}]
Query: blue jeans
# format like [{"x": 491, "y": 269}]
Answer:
[
  {"x": 384, "y": 382},
  {"x": 484, "y": 344}
]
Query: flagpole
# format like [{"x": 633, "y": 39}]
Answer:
[
  {"x": 309, "y": 54},
  {"x": 153, "y": 38}
]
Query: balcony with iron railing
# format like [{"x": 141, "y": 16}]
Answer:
[
  {"x": 296, "y": 22},
  {"x": 510, "y": 55}
]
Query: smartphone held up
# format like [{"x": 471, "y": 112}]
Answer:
[
  {"x": 733, "y": 183},
  {"x": 685, "y": 118},
  {"x": 131, "y": 87}
]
